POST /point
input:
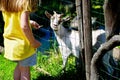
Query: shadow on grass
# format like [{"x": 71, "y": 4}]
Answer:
[{"x": 68, "y": 75}]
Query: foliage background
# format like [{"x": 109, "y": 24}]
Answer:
[
  {"x": 66, "y": 7},
  {"x": 51, "y": 64}
]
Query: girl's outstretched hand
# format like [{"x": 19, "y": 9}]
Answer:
[{"x": 34, "y": 24}]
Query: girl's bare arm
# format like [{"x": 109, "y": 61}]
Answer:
[{"x": 27, "y": 31}]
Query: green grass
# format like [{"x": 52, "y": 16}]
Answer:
[
  {"x": 6, "y": 68},
  {"x": 48, "y": 67}
]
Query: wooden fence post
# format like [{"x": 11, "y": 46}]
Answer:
[
  {"x": 81, "y": 35},
  {"x": 79, "y": 18},
  {"x": 86, "y": 6}
]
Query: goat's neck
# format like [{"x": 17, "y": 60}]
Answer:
[{"x": 61, "y": 31}]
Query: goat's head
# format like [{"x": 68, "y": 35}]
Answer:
[{"x": 56, "y": 20}]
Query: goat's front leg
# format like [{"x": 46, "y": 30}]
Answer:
[
  {"x": 65, "y": 60},
  {"x": 65, "y": 55}
]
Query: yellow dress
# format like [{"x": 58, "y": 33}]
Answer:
[{"x": 17, "y": 46}]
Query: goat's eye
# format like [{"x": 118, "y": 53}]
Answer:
[{"x": 59, "y": 21}]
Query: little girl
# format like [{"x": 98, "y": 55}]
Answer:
[{"x": 20, "y": 45}]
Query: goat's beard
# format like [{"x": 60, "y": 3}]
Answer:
[{"x": 55, "y": 30}]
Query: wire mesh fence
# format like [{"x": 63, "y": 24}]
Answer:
[{"x": 111, "y": 72}]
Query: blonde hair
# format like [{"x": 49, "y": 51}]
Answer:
[{"x": 18, "y": 5}]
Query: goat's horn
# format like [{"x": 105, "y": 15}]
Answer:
[{"x": 54, "y": 12}]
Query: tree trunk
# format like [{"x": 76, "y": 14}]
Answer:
[
  {"x": 114, "y": 41},
  {"x": 112, "y": 26}
]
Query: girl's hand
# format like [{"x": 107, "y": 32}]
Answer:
[
  {"x": 36, "y": 44},
  {"x": 35, "y": 24}
]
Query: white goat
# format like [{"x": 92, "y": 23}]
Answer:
[{"x": 68, "y": 40}]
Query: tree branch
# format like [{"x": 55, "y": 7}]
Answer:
[{"x": 113, "y": 42}]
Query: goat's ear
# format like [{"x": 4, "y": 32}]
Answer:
[
  {"x": 67, "y": 18},
  {"x": 61, "y": 15},
  {"x": 48, "y": 14}
]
